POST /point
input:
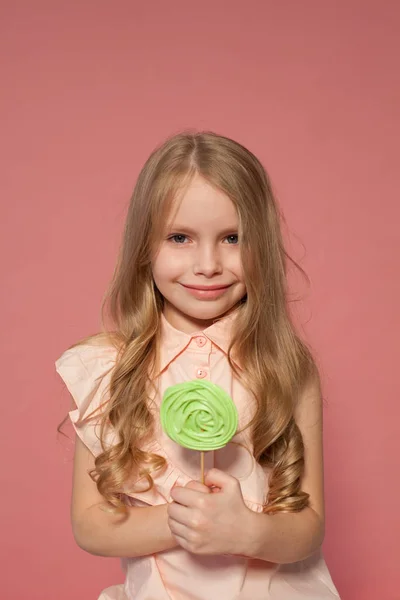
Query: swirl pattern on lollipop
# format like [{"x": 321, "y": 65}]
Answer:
[{"x": 198, "y": 415}]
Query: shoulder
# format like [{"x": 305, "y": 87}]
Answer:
[
  {"x": 86, "y": 366},
  {"x": 90, "y": 354}
]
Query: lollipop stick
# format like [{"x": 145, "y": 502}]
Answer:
[{"x": 202, "y": 466}]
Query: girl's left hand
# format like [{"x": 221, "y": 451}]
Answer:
[{"x": 210, "y": 523}]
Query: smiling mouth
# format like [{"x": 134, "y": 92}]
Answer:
[
  {"x": 206, "y": 292},
  {"x": 206, "y": 288}
]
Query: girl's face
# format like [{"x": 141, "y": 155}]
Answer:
[{"x": 197, "y": 267}]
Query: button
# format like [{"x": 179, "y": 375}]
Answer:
[
  {"x": 201, "y": 373},
  {"x": 200, "y": 341}
]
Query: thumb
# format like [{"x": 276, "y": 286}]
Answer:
[
  {"x": 197, "y": 487},
  {"x": 217, "y": 478}
]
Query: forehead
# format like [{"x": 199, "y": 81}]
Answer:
[{"x": 201, "y": 205}]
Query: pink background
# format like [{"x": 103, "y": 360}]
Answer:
[{"x": 88, "y": 89}]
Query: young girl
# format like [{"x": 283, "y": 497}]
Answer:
[{"x": 199, "y": 292}]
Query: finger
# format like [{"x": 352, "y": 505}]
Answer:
[
  {"x": 179, "y": 530},
  {"x": 183, "y": 543},
  {"x": 221, "y": 480},
  {"x": 187, "y": 496},
  {"x": 198, "y": 487},
  {"x": 181, "y": 514}
]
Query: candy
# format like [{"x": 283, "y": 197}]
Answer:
[{"x": 198, "y": 415}]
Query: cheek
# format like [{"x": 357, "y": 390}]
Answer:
[
  {"x": 167, "y": 265},
  {"x": 234, "y": 264}
]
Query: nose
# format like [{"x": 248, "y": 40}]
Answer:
[{"x": 207, "y": 261}]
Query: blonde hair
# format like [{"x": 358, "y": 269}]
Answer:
[{"x": 277, "y": 365}]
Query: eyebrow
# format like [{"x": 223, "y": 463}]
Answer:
[{"x": 181, "y": 228}]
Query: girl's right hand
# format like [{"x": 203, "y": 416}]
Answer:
[
  {"x": 217, "y": 525},
  {"x": 198, "y": 487}
]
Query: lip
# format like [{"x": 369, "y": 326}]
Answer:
[
  {"x": 205, "y": 287},
  {"x": 206, "y": 292}
]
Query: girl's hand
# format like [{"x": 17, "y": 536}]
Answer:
[{"x": 210, "y": 523}]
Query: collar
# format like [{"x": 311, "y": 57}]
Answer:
[{"x": 173, "y": 342}]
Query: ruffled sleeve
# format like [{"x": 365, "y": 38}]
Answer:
[{"x": 86, "y": 371}]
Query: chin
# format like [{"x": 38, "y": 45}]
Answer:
[{"x": 208, "y": 313}]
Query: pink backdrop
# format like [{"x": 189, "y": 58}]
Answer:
[{"x": 88, "y": 88}]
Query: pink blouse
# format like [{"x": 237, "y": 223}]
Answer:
[{"x": 177, "y": 574}]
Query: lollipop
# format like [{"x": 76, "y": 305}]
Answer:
[{"x": 198, "y": 415}]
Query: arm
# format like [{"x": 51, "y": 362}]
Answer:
[
  {"x": 290, "y": 537},
  {"x": 143, "y": 531},
  {"x": 286, "y": 537}
]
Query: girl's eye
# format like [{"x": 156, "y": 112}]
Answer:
[
  {"x": 232, "y": 239},
  {"x": 179, "y": 238}
]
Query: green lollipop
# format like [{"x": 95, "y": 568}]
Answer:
[{"x": 198, "y": 415}]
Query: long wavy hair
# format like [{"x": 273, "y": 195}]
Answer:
[{"x": 277, "y": 364}]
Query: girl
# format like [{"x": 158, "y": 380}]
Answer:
[{"x": 199, "y": 291}]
